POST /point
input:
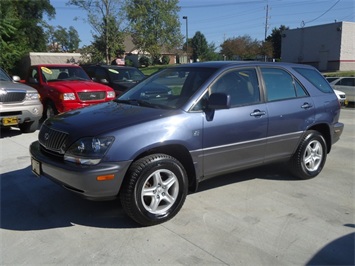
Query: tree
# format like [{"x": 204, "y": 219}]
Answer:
[
  {"x": 199, "y": 46},
  {"x": 241, "y": 48},
  {"x": 62, "y": 39},
  {"x": 21, "y": 30},
  {"x": 154, "y": 25},
  {"x": 105, "y": 17},
  {"x": 275, "y": 39}
]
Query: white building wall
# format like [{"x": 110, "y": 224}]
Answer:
[{"x": 327, "y": 47}]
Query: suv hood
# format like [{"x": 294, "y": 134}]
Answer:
[
  {"x": 105, "y": 117},
  {"x": 8, "y": 85}
]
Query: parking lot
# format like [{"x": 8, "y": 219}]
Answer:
[{"x": 262, "y": 216}]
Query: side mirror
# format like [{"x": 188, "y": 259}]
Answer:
[
  {"x": 104, "y": 81},
  {"x": 218, "y": 101},
  {"x": 16, "y": 78},
  {"x": 33, "y": 80}
]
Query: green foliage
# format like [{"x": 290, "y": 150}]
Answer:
[
  {"x": 241, "y": 48},
  {"x": 275, "y": 40},
  {"x": 21, "y": 30},
  {"x": 129, "y": 62},
  {"x": 165, "y": 60},
  {"x": 154, "y": 25},
  {"x": 199, "y": 46},
  {"x": 145, "y": 61},
  {"x": 105, "y": 17}
]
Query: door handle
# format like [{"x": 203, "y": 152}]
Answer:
[
  {"x": 306, "y": 105},
  {"x": 258, "y": 113}
]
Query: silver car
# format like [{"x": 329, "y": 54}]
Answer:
[
  {"x": 346, "y": 85},
  {"x": 20, "y": 105}
]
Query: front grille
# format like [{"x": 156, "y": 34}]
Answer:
[
  {"x": 92, "y": 96},
  {"x": 52, "y": 140},
  {"x": 12, "y": 96}
]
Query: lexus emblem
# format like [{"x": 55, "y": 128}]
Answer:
[{"x": 46, "y": 136}]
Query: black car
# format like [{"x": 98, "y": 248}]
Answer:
[{"x": 119, "y": 78}]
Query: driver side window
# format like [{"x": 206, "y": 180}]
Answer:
[{"x": 240, "y": 84}]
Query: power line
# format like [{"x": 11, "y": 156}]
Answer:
[{"x": 304, "y": 23}]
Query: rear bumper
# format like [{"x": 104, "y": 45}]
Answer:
[{"x": 337, "y": 131}]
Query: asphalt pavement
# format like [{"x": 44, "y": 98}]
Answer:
[{"x": 262, "y": 216}]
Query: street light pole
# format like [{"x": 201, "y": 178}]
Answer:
[{"x": 187, "y": 40}]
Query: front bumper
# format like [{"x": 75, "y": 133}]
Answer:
[
  {"x": 80, "y": 179},
  {"x": 25, "y": 113}
]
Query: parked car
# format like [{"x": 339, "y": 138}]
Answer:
[
  {"x": 65, "y": 87},
  {"x": 346, "y": 85},
  {"x": 119, "y": 78},
  {"x": 221, "y": 117},
  {"x": 341, "y": 95},
  {"x": 20, "y": 105}
]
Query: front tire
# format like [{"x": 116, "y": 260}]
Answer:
[
  {"x": 310, "y": 156},
  {"x": 154, "y": 189},
  {"x": 50, "y": 110},
  {"x": 29, "y": 127}
]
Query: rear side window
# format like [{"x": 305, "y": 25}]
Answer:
[
  {"x": 281, "y": 85},
  {"x": 346, "y": 82},
  {"x": 315, "y": 78}
]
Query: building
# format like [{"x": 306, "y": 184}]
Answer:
[{"x": 328, "y": 47}]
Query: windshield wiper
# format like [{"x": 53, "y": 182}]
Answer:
[{"x": 137, "y": 103}]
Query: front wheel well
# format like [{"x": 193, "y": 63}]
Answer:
[{"x": 180, "y": 153}]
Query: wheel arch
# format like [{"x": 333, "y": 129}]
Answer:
[
  {"x": 180, "y": 153},
  {"x": 324, "y": 130}
]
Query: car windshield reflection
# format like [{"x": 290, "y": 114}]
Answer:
[{"x": 170, "y": 88}]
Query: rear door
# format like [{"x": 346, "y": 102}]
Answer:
[
  {"x": 235, "y": 138},
  {"x": 290, "y": 111}
]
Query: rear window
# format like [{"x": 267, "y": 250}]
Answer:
[{"x": 315, "y": 78}]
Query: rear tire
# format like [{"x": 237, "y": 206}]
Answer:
[
  {"x": 154, "y": 189},
  {"x": 310, "y": 156}
]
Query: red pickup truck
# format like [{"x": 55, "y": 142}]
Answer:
[{"x": 65, "y": 87}]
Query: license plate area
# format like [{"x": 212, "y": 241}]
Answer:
[
  {"x": 10, "y": 121},
  {"x": 36, "y": 167}
]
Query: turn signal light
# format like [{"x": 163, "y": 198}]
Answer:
[{"x": 105, "y": 177}]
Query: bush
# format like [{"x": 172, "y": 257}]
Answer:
[
  {"x": 165, "y": 60},
  {"x": 129, "y": 62},
  {"x": 145, "y": 61}
]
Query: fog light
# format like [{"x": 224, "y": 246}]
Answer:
[{"x": 105, "y": 177}]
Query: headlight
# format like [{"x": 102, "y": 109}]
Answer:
[
  {"x": 32, "y": 96},
  {"x": 88, "y": 151},
  {"x": 111, "y": 94},
  {"x": 68, "y": 96}
]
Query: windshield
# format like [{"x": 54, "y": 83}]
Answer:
[
  {"x": 170, "y": 88},
  {"x": 4, "y": 76},
  {"x": 125, "y": 75},
  {"x": 59, "y": 73}
]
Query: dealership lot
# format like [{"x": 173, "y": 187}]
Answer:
[{"x": 262, "y": 216}]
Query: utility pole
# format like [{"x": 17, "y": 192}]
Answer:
[
  {"x": 266, "y": 26},
  {"x": 266, "y": 21}
]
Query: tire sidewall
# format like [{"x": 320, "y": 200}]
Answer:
[
  {"x": 159, "y": 164},
  {"x": 312, "y": 136}
]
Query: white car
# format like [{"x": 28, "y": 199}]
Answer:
[
  {"x": 347, "y": 85},
  {"x": 341, "y": 97}
]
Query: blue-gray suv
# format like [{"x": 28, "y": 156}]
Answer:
[{"x": 188, "y": 123}]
